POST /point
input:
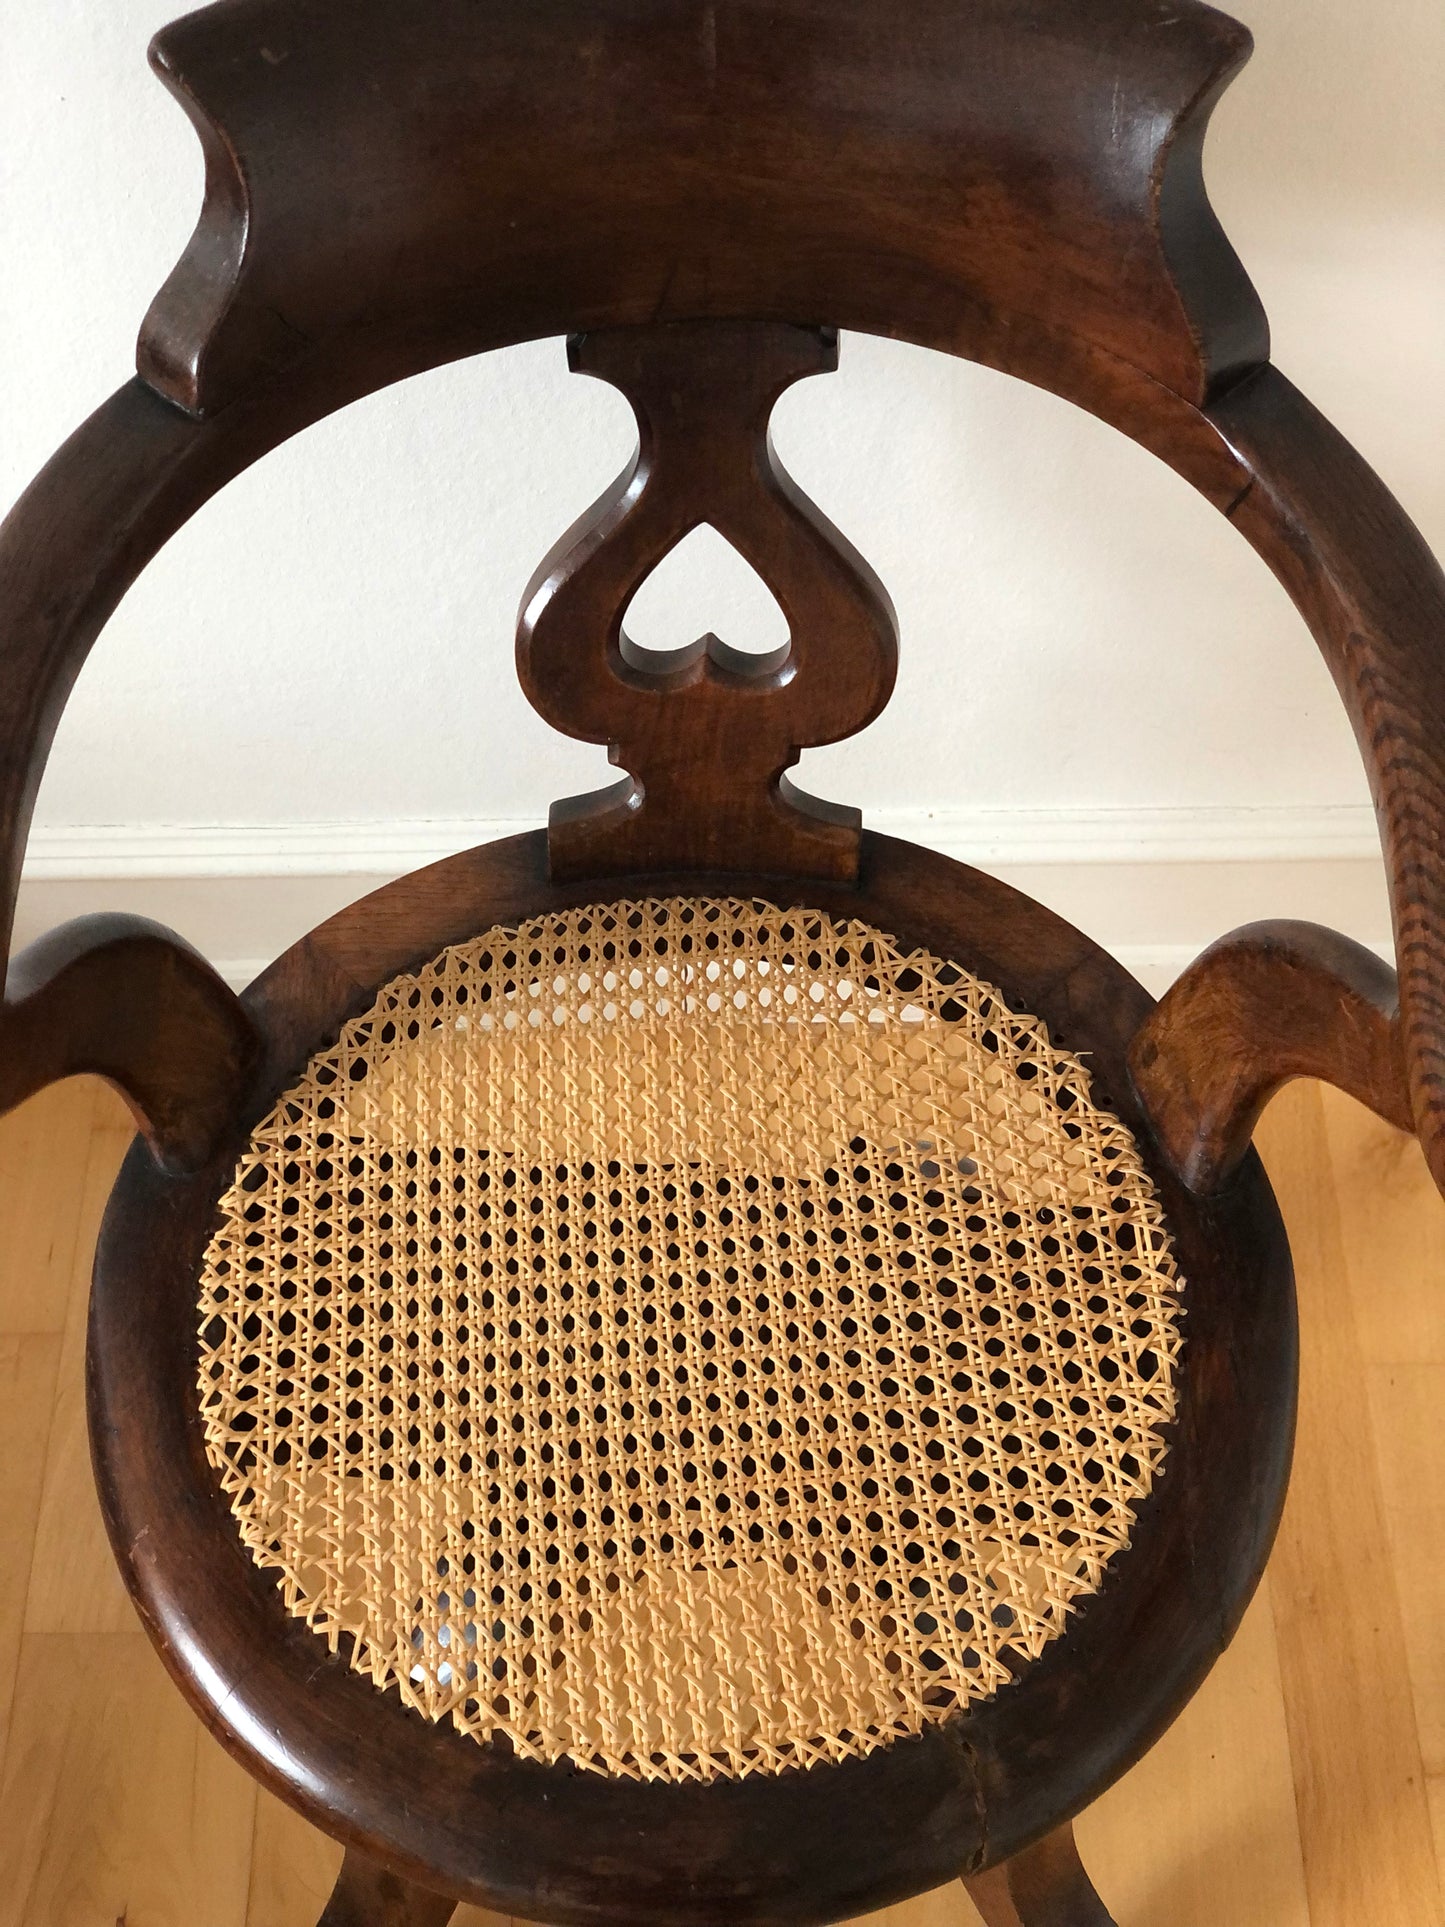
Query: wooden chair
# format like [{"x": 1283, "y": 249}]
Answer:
[{"x": 706, "y": 1365}]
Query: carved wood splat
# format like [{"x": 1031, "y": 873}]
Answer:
[{"x": 705, "y": 732}]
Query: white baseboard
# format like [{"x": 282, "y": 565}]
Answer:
[
  {"x": 1330, "y": 833},
  {"x": 1153, "y": 886}
]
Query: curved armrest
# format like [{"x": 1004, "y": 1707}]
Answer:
[
  {"x": 69, "y": 549},
  {"x": 1266, "y": 1003},
  {"x": 125, "y": 999},
  {"x": 115, "y": 995}
]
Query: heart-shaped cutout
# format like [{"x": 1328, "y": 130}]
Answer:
[{"x": 705, "y": 587}]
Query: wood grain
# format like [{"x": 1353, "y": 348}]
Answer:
[
  {"x": 28, "y": 1368},
  {"x": 74, "y": 1586},
  {"x": 293, "y": 1867},
  {"x": 705, "y": 732},
  {"x": 1373, "y": 595},
  {"x": 1204, "y": 1830},
  {"x": 889, "y": 169},
  {"x": 367, "y": 1896},
  {"x": 1044, "y": 1886},
  {"x": 116, "y": 1802},
  {"x": 127, "y": 1000},
  {"x": 1392, "y": 1243},
  {"x": 40, "y": 1231},
  {"x": 1404, "y": 1413},
  {"x": 1019, "y": 182},
  {"x": 1267, "y": 1003},
  {"x": 1369, "y": 1851}
]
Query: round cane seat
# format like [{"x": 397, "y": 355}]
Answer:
[{"x": 688, "y": 1339}]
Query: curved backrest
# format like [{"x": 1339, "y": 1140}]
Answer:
[
  {"x": 1017, "y": 181},
  {"x": 1013, "y": 181}
]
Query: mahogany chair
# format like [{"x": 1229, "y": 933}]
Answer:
[{"x": 705, "y": 1365}]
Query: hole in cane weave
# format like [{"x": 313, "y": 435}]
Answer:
[{"x": 689, "y": 1339}]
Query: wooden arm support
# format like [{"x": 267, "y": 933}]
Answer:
[
  {"x": 1266, "y": 1003},
  {"x": 123, "y": 998}
]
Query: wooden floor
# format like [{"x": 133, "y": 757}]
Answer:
[{"x": 1305, "y": 1787}]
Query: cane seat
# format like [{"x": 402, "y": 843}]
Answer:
[
  {"x": 703, "y": 1364},
  {"x": 689, "y": 1337}
]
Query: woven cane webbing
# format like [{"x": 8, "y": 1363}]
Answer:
[{"x": 688, "y": 1338}]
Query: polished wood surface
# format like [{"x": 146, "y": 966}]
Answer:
[
  {"x": 430, "y": 1804},
  {"x": 1373, "y": 595},
  {"x": 1018, "y": 181},
  {"x": 1016, "y": 171},
  {"x": 1268, "y": 1003},
  {"x": 705, "y": 732},
  {"x": 1044, "y": 1886},
  {"x": 1303, "y": 1787},
  {"x": 124, "y": 998},
  {"x": 366, "y": 1896}
]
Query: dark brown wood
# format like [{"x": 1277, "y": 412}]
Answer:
[
  {"x": 823, "y": 1845},
  {"x": 1374, "y": 596},
  {"x": 1265, "y": 1004},
  {"x": 127, "y": 1000},
  {"x": 69, "y": 550},
  {"x": 706, "y": 732},
  {"x": 1028, "y": 168},
  {"x": 1044, "y": 1886},
  {"x": 366, "y": 1895}
]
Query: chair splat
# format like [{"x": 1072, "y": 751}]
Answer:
[{"x": 706, "y": 733}]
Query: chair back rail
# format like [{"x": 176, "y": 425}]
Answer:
[{"x": 1018, "y": 182}]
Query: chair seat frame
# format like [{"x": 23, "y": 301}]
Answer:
[{"x": 814, "y": 1845}]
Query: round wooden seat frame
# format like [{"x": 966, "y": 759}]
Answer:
[
  {"x": 832, "y": 1840},
  {"x": 722, "y": 185}
]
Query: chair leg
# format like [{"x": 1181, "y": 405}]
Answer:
[
  {"x": 1044, "y": 1886},
  {"x": 366, "y": 1895}
]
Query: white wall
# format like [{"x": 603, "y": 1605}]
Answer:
[{"x": 1095, "y": 666}]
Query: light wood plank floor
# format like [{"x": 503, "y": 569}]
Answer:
[{"x": 1305, "y": 1787}]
